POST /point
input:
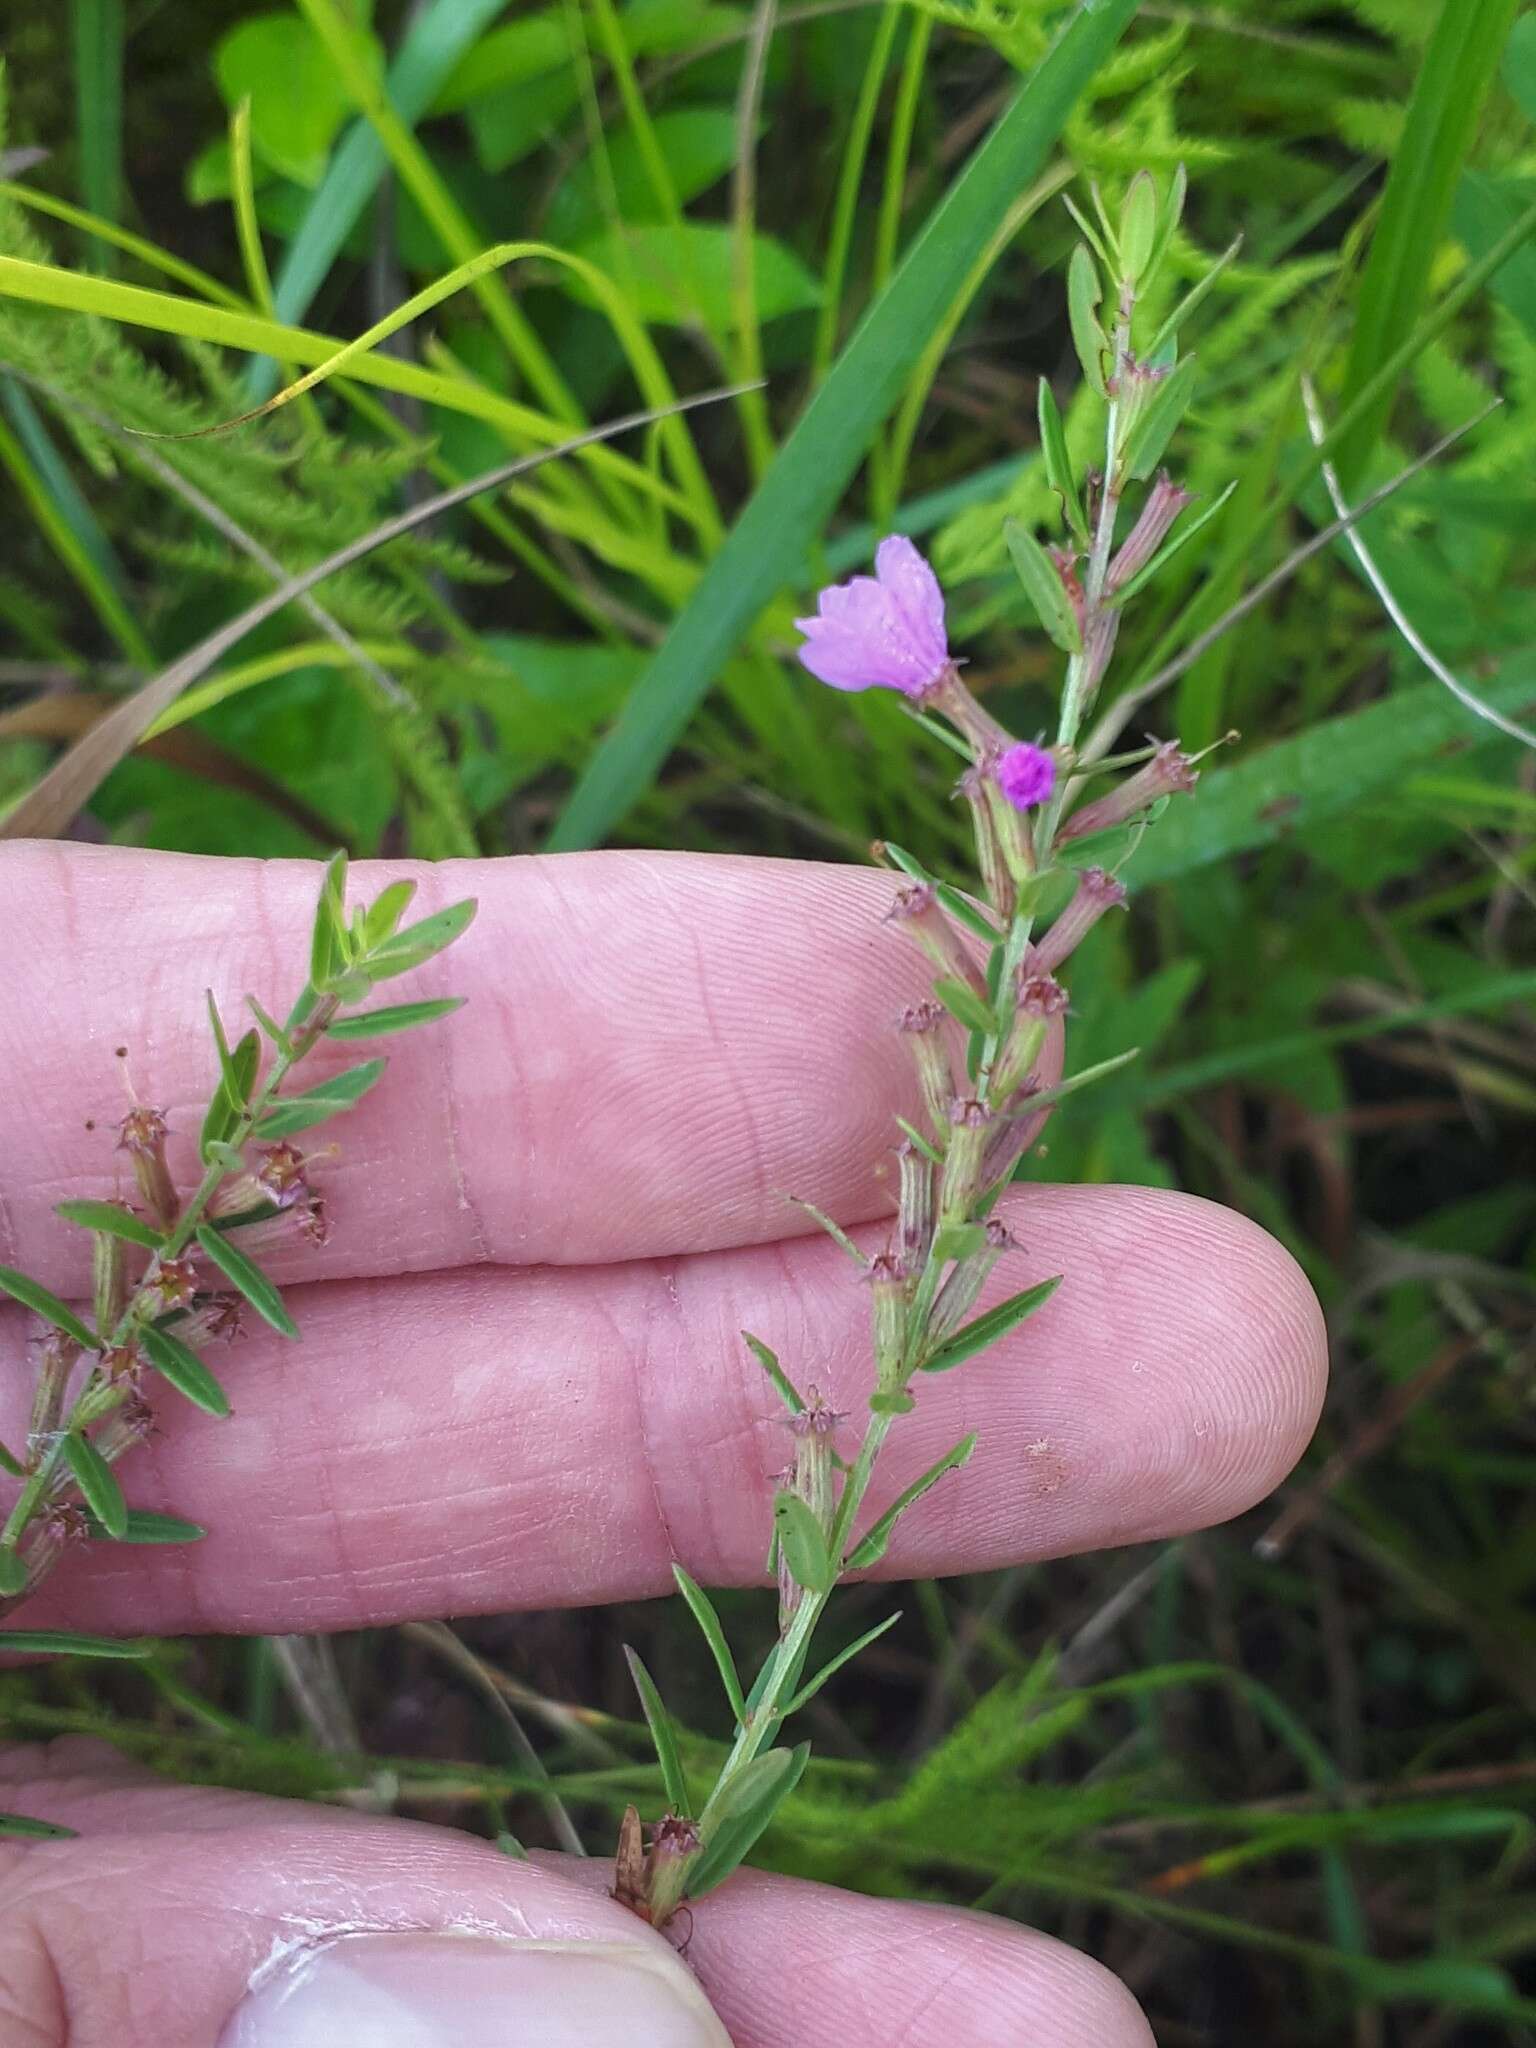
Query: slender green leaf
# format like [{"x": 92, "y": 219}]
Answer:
[
  {"x": 1043, "y": 587},
  {"x": 144, "y": 1526},
  {"x": 231, "y": 1098},
  {"x": 97, "y": 1483},
  {"x": 247, "y": 1277},
  {"x": 1058, "y": 464},
  {"x": 13, "y": 1573},
  {"x": 768, "y": 1360},
  {"x": 290, "y": 1113},
  {"x": 995, "y": 1324},
  {"x": 752, "y": 1797},
  {"x": 33, "y": 1295},
  {"x": 179, "y": 1364},
  {"x": 399, "y": 1017},
  {"x": 1137, "y": 236},
  {"x": 23, "y": 1828},
  {"x": 830, "y": 1670},
  {"x": 1460, "y": 62},
  {"x": 48, "y": 1642},
  {"x": 803, "y": 1542},
  {"x": 963, "y": 1003},
  {"x": 662, "y": 1734},
  {"x": 703, "y": 1610},
  {"x": 1189, "y": 302},
  {"x": 419, "y": 942},
  {"x": 764, "y": 549},
  {"x": 383, "y": 915},
  {"x": 112, "y": 1220},
  {"x": 1158, "y": 420},
  {"x": 1084, "y": 292},
  {"x": 872, "y": 1546}
]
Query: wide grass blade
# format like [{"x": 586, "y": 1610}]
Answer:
[
  {"x": 99, "y": 33},
  {"x": 766, "y": 548},
  {"x": 1460, "y": 63}
]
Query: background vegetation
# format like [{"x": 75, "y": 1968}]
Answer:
[{"x": 1281, "y": 1776}]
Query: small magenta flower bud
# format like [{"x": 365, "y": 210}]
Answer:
[
  {"x": 917, "y": 911},
  {"x": 914, "y": 1227},
  {"x": 1026, "y": 774},
  {"x": 1097, "y": 891},
  {"x": 1169, "y": 770},
  {"x": 142, "y": 1135},
  {"x": 1165, "y": 501},
  {"x": 923, "y": 1026}
]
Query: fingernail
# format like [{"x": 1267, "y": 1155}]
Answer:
[{"x": 464, "y": 1991}]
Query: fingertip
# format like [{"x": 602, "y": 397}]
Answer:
[{"x": 788, "y": 1961}]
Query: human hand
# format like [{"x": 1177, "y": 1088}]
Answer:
[{"x": 521, "y": 1384}]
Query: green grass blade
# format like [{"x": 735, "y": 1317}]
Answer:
[
  {"x": 432, "y": 46},
  {"x": 765, "y": 549},
  {"x": 99, "y": 31},
  {"x": 1460, "y": 63}
]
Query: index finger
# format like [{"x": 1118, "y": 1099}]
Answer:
[{"x": 658, "y": 1048}]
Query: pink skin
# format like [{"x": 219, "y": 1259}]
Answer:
[{"x": 521, "y": 1385}]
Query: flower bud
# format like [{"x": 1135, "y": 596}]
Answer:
[
  {"x": 1097, "y": 891},
  {"x": 917, "y": 911},
  {"x": 961, "y": 1291},
  {"x": 1170, "y": 769},
  {"x": 57, "y": 1356},
  {"x": 914, "y": 1227},
  {"x": 675, "y": 1847},
  {"x": 810, "y": 1477},
  {"x": 142, "y": 1135},
  {"x": 890, "y": 1293},
  {"x": 131, "y": 1425},
  {"x": 970, "y": 1122},
  {"x": 997, "y": 871},
  {"x": 1165, "y": 501},
  {"x": 923, "y": 1024},
  {"x": 173, "y": 1281},
  {"x": 1016, "y": 1130}
]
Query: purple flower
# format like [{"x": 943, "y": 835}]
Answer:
[
  {"x": 1026, "y": 774},
  {"x": 884, "y": 631}
]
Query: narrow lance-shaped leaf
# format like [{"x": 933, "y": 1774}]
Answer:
[
  {"x": 871, "y": 1547},
  {"x": 112, "y": 1220},
  {"x": 398, "y": 1017},
  {"x": 317, "y": 1105},
  {"x": 97, "y": 1483},
  {"x": 247, "y": 1277},
  {"x": 230, "y": 1099},
  {"x": 180, "y": 1365},
  {"x": 834, "y": 1665},
  {"x": 419, "y": 942},
  {"x": 33, "y": 1295},
  {"x": 803, "y": 1542},
  {"x": 48, "y": 1642},
  {"x": 144, "y": 1526},
  {"x": 1190, "y": 301},
  {"x": 703, "y": 1610},
  {"x": 769, "y": 1361},
  {"x": 328, "y": 940},
  {"x": 963, "y": 1003},
  {"x": 995, "y": 1324},
  {"x": 1084, "y": 292},
  {"x": 1159, "y": 419},
  {"x": 662, "y": 1735},
  {"x": 13, "y": 1573},
  {"x": 23, "y": 1828},
  {"x": 1043, "y": 587},
  {"x": 1058, "y": 464},
  {"x": 1138, "y": 226},
  {"x": 752, "y": 1797},
  {"x": 383, "y": 915}
]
